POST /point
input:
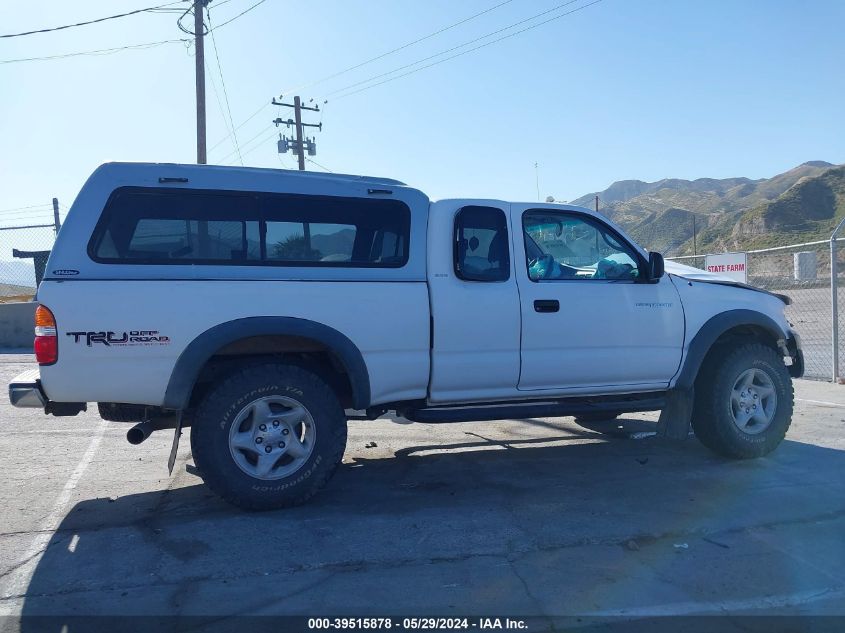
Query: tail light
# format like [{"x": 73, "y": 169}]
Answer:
[{"x": 46, "y": 338}]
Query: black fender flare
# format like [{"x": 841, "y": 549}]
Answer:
[
  {"x": 676, "y": 417},
  {"x": 710, "y": 332},
  {"x": 203, "y": 347}
]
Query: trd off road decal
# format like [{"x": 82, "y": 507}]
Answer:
[{"x": 122, "y": 339}]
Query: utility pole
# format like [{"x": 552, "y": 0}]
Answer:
[
  {"x": 300, "y": 144},
  {"x": 297, "y": 111},
  {"x": 597, "y": 204},
  {"x": 694, "y": 245},
  {"x": 199, "y": 59},
  {"x": 56, "y": 222}
]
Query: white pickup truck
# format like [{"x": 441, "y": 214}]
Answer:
[{"x": 264, "y": 308}]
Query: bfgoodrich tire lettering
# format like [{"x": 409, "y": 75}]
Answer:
[
  {"x": 211, "y": 435},
  {"x": 714, "y": 416}
]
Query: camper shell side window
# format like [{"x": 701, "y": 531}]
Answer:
[{"x": 144, "y": 225}]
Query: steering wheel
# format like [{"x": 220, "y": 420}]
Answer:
[{"x": 546, "y": 261}]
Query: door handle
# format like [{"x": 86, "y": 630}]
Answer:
[{"x": 546, "y": 305}]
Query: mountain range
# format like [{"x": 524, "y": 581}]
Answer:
[{"x": 729, "y": 214}]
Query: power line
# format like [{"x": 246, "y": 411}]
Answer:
[
  {"x": 217, "y": 99},
  {"x": 27, "y": 216},
  {"x": 38, "y": 211},
  {"x": 234, "y": 128},
  {"x": 311, "y": 160},
  {"x": 33, "y": 206},
  {"x": 283, "y": 163},
  {"x": 395, "y": 50},
  {"x": 225, "y": 93},
  {"x": 400, "y": 48},
  {"x": 249, "y": 142},
  {"x": 245, "y": 11},
  {"x": 100, "y": 51},
  {"x": 87, "y": 22},
  {"x": 454, "y": 48},
  {"x": 504, "y": 37},
  {"x": 246, "y": 144},
  {"x": 244, "y": 122},
  {"x": 261, "y": 144}
]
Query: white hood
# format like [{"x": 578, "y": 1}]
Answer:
[{"x": 695, "y": 274}]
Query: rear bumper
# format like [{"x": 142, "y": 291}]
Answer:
[{"x": 26, "y": 392}]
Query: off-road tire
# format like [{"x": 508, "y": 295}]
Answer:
[
  {"x": 712, "y": 418},
  {"x": 221, "y": 405}
]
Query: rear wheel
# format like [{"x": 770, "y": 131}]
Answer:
[
  {"x": 743, "y": 402},
  {"x": 268, "y": 436}
]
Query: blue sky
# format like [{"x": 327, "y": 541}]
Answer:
[{"x": 623, "y": 89}]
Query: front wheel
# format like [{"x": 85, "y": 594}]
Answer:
[
  {"x": 743, "y": 402},
  {"x": 268, "y": 436}
]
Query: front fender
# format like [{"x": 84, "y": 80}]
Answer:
[
  {"x": 676, "y": 417},
  {"x": 710, "y": 332}
]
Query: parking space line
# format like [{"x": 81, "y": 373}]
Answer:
[
  {"x": 822, "y": 402},
  {"x": 18, "y": 580}
]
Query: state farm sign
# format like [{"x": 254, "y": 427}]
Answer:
[{"x": 733, "y": 265}]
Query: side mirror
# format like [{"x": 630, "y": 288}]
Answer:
[{"x": 656, "y": 267}]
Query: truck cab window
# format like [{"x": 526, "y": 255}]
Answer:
[
  {"x": 569, "y": 246},
  {"x": 481, "y": 244}
]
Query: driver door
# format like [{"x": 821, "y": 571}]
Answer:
[{"x": 590, "y": 321}]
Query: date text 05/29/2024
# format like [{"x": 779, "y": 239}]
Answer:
[{"x": 417, "y": 624}]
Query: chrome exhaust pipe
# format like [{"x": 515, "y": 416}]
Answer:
[{"x": 140, "y": 432}]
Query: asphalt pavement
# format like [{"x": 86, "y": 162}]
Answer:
[{"x": 535, "y": 517}]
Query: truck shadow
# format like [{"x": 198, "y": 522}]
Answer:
[{"x": 425, "y": 503}]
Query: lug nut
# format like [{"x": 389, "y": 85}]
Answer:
[
  {"x": 755, "y": 396},
  {"x": 275, "y": 423},
  {"x": 755, "y": 406},
  {"x": 263, "y": 427},
  {"x": 267, "y": 449},
  {"x": 258, "y": 440},
  {"x": 285, "y": 431},
  {"x": 281, "y": 444}
]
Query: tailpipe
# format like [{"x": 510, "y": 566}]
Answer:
[{"x": 140, "y": 432}]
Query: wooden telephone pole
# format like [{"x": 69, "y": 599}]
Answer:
[
  {"x": 199, "y": 58},
  {"x": 300, "y": 144}
]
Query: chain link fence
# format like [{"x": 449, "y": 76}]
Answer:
[
  {"x": 801, "y": 272},
  {"x": 23, "y": 258}
]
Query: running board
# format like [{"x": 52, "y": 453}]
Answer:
[{"x": 544, "y": 409}]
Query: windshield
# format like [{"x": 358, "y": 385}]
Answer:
[{"x": 568, "y": 246}]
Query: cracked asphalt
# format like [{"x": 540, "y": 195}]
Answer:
[{"x": 535, "y": 517}]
